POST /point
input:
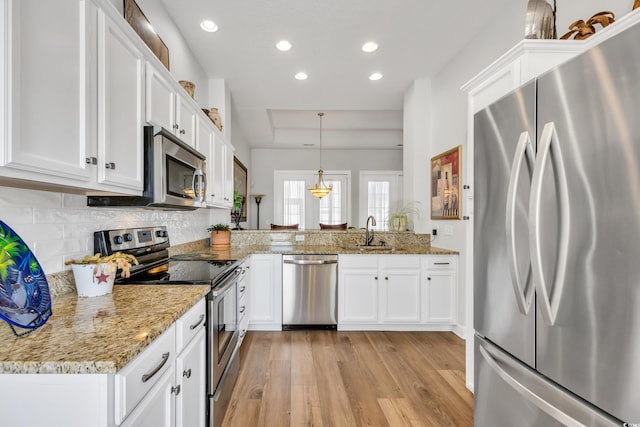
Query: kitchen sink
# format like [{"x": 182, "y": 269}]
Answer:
[{"x": 374, "y": 249}]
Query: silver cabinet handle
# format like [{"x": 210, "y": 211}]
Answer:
[
  {"x": 110, "y": 165},
  {"x": 440, "y": 263},
  {"x": 523, "y": 291},
  {"x": 195, "y": 325},
  {"x": 182, "y": 132},
  {"x": 549, "y": 303},
  {"x": 147, "y": 377},
  {"x": 175, "y": 126},
  {"x": 242, "y": 309},
  {"x": 91, "y": 160},
  {"x": 187, "y": 373},
  {"x": 176, "y": 389},
  {"x": 242, "y": 288}
]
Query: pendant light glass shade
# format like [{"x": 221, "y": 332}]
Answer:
[{"x": 320, "y": 189}]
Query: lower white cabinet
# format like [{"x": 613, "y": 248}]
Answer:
[
  {"x": 158, "y": 406},
  {"x": 265, "y": 292},
  {"x": 243, "y": 299},
  {"x": 191, "y": 377},
  {"x": 397, "y": 292}
]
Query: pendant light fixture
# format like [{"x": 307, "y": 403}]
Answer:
[{"x": 320, "y": 189}]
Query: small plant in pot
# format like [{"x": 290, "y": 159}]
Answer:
[
  {"x": 94, "y": 274},
  {"x": 220, "y": 235},
  {"x": 400, "y": 219}
]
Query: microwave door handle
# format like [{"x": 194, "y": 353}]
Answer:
[{"x": 196, "y": 176}]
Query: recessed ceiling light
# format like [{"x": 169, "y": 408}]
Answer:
[
  {"x": 369, "y": 47},
  {"x": 301, "y": 76},
  {"x": 209, "y": 26},
  {"x": 375, "y": 76},
  {"x": 283, "y": 45}
]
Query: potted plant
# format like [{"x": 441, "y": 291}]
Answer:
[
  {"x": 236, "y": 211},
  {"x": 220, "y": 235},
  {"x": 94, "y": 274},
  {"x": 399, "y": 220}
]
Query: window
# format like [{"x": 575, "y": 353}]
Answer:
[
  {"x": 380, "y": 195},
  {"x": 295, "y": 205}
]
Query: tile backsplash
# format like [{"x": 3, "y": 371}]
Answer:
[{"x": 59, "y": 226}]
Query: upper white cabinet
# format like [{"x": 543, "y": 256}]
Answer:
[
  {"x": 168, "y": 105},
  {"x": 64, "y": 123},
  {"x": 220, "y": 165},
  {"x": 120, "y": 104}
]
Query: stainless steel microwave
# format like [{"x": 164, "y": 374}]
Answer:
[{"x": 174, "y": 176}]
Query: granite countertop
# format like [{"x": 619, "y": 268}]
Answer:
[
  {"x": 98, "y": 335},
  {"x": 242, "y": 251}
]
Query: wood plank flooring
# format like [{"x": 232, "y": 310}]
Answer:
[{"x": 327, "y": 378}]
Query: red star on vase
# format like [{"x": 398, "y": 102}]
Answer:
[{"x": 103, "y": 277}]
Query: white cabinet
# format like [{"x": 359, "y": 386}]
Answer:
[
  {"x": 440, "y": 278},
  {"x": 63, "y": 122},
  {"x": 397, "y": 292},
  {"x": 243, "y": 299},
  {"x": 399, "y": 279},
  {"x": 220, "y": 164},
  {"x": 158, "y": 406},
  {"x": 191, "y": 377},
  {"x": 357, "y": 289},
  {"x": 168, "y": 105},
  {"x": 265, "y": 292},
  {"x": 120, "y": 104}
]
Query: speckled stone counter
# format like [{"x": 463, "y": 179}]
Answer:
[{"x": 100, "y": 334}]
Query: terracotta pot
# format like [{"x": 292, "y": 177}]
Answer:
[
  {"x": 220, "y": 239},
  {"x": 214, "y": 115},
  {"x": 189, "y": 87}
]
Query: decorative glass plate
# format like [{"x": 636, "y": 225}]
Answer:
[{"x": 25, "y": 300}]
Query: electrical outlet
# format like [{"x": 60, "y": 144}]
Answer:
[
  {"x": 299, "y": 237},
  {"x": 434, "y": 232}
]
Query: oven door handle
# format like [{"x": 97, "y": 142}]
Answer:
[{"x": 229, "y": 281}]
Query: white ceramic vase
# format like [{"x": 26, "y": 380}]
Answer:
[{"x": 93, "y": 280}]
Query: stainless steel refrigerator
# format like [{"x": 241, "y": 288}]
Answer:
[{"x": 557, "y": 245}]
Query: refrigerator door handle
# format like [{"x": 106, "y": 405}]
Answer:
[
  {"x": 549, "y": 148},
  {"x": 544, "y": 395},
  {"x": 523, "y": 292}
]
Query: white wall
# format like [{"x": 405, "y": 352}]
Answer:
[{"x": 265, "y": 161}]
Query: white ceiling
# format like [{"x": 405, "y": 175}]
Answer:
[{"x": 272, "y": 109}]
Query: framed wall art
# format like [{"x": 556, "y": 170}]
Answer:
[
  {"x": 240, "y": 184},
  {"x": 141, "y": 25},
  {"x": 446, "y": 182}
]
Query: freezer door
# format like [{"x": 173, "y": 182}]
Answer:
[
  {"x": 503, "y": 147},
  {"x": 586, "y": 270},
  {"x": 508, "y": 393}
]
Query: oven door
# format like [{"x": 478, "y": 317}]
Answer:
[{"x": 222, "y": 328}]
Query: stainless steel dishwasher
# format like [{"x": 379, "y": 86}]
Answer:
[{"x": 309, "y": 291}]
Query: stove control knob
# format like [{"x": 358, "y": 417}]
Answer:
[
  {"x": 117, "y": 240},
  {"x": 162, "y": 233},
  {"x": 128, "y": 237}
]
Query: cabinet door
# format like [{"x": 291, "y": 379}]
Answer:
[
  {"x": 120, "y": 102},
  {"x": 216, "y": 186},
  {"x": 191, "y": 375},
  {"x": 358, "y": 296},
  {"x": 400, "y": 296},
  {"x": 186, "y": 119},
  {"x": 157, "y": 409},
  {"x": 228, "y": 176},
  {"x": 440, "y": 286},
  {"x": 160, "y": 100},
  {"x": 49, "y": 50},
  {"x": 265, "y": 291}
]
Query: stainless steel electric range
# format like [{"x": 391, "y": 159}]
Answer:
[{"x": 150, "y": 245}]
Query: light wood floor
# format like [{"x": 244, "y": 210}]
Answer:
[{"x": 325, "y": 378}]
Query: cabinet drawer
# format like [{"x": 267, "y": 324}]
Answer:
[
  {"x": 358, "y": 261},
  {"x": 399, "y": 262},
  {"x": 135, "y": 380},
  {"x": 189, "y": 324},
  {"x": 442, "y": 262}
]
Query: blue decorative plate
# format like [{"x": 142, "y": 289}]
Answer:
[{"x": 25, "y": 300}]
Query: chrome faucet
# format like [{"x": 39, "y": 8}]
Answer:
[{"x": 368, "y": 237}]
